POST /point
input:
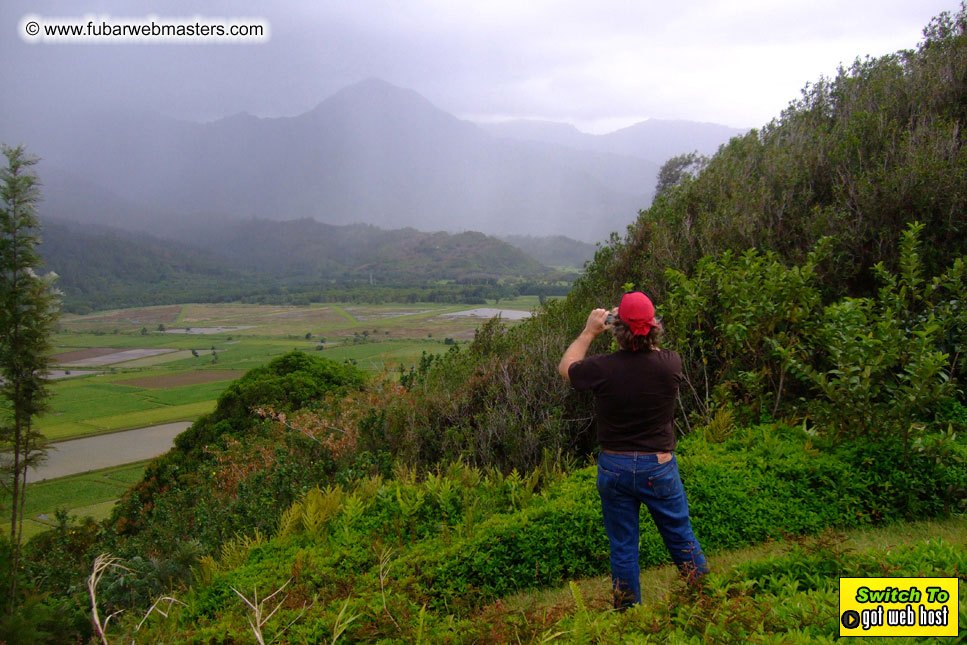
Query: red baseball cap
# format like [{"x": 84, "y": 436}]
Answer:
[{"x": 638, "y": 312}]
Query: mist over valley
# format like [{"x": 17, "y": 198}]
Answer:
[
  {"x": 372, "y": 153},
  {"x": 374, "y": 184}
]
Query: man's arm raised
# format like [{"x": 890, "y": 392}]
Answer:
[{"x": 579, "y": 348}]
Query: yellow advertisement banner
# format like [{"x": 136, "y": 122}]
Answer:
[{"x": 898, "y": 607}]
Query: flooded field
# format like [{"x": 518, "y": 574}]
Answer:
[
  {"x": 207, "y": 330},
  {"x": 490, "y": 312},
  {"x": 104, "y": 356},
  {"x": 103, "y": 451}
]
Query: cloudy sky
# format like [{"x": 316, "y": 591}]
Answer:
[{"x": 599, "y": 64}]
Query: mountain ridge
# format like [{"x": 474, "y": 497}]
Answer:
[
  {"x": 654, "y": 140},
  {"x": 371, "y": 153},
  {"x": 100, "y": 266}
]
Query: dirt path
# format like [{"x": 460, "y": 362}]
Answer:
[{"x": 106, "y": 450}]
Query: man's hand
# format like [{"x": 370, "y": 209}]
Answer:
[
  {"x": 596, "y": 321},
  {"x": 578, "y": 349}
]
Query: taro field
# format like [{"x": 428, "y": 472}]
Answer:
[
  {"x": 137, "y": 368},
  {"x": 132, "y": 368}
]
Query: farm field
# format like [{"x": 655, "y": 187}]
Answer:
[
  {"x": 133, "y": 368},
  {"x": 89, "y": 495}
]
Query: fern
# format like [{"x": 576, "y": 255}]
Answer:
[
  {"x": 319, "y": 507},
  {"x": 235, "y": 552},
  {"x": 290, "y": 522}
]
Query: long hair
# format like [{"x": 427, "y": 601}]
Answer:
[{"x": 627, "y": 340}]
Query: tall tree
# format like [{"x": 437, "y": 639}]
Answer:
[
  {"x": 677, "y": 169},
  {"x": 28, "y": 313}
]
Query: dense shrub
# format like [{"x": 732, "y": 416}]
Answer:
[
  {"x": 877, "y": 365},
  {"x": 727, "y": 321},
  {"x": 499, "y": 403},
  {"x": 290, "y": 382},
  {"x": 41, "y": 617},
  {"x": 464, "y": 537}
]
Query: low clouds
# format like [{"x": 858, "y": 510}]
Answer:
[{"x": 599, "y": 65}]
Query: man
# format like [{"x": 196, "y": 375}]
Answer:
[{"x": 635, "y": 390}]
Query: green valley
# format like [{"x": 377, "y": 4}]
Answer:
[{"x": 370, "y": 465}]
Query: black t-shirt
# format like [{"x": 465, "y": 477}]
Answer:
[{"x": 634, "y": 395}]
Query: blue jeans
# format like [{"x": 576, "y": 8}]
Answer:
[{"x": 624, "y": 482}]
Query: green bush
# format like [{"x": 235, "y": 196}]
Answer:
[
  {"x": 727, "y": 320},
  {"x": 290, "y": 382},
  {"x": 499, "y": 403},
  {"x": 876, "y": 363}
]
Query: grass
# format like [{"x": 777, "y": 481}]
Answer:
[
  {"x": 537, "y": 612},
  {"x": 152, "y": 417},
  {"x": 658, "y": 582},
  {"x": 186, "y": 394},
  {"x": 91, "y": 494},
  {"x": 102, "y": 403},
  {"x": 126, "y": 421}
]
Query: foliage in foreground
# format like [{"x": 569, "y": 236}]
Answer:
[
  {"x": 406, "y": 557},
  {"x": 469, "y": 405},
  {"x": 788, "y": 598},
  {"x": 755, "y": 335}
]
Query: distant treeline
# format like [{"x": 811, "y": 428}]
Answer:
[{"x": 300, "y": 295}]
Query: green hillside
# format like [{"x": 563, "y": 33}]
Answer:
[
  {"x": 99, "y": 267},
  {"x": 812, "y": 278},
  {"x": 310, "y": 249},
  {"x": 856, "y": 157},
  {"x": 266, "y": 261},
  {"x": 553, "y": 250}
]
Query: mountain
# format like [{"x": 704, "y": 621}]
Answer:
[
  {"x": 554, "y": 250},
  {"x": 659, "y": 139},
  {"x": 371, "y": 153},
  {"x": 654, "y": 140},
  {"x": 553, "y": 132}
]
